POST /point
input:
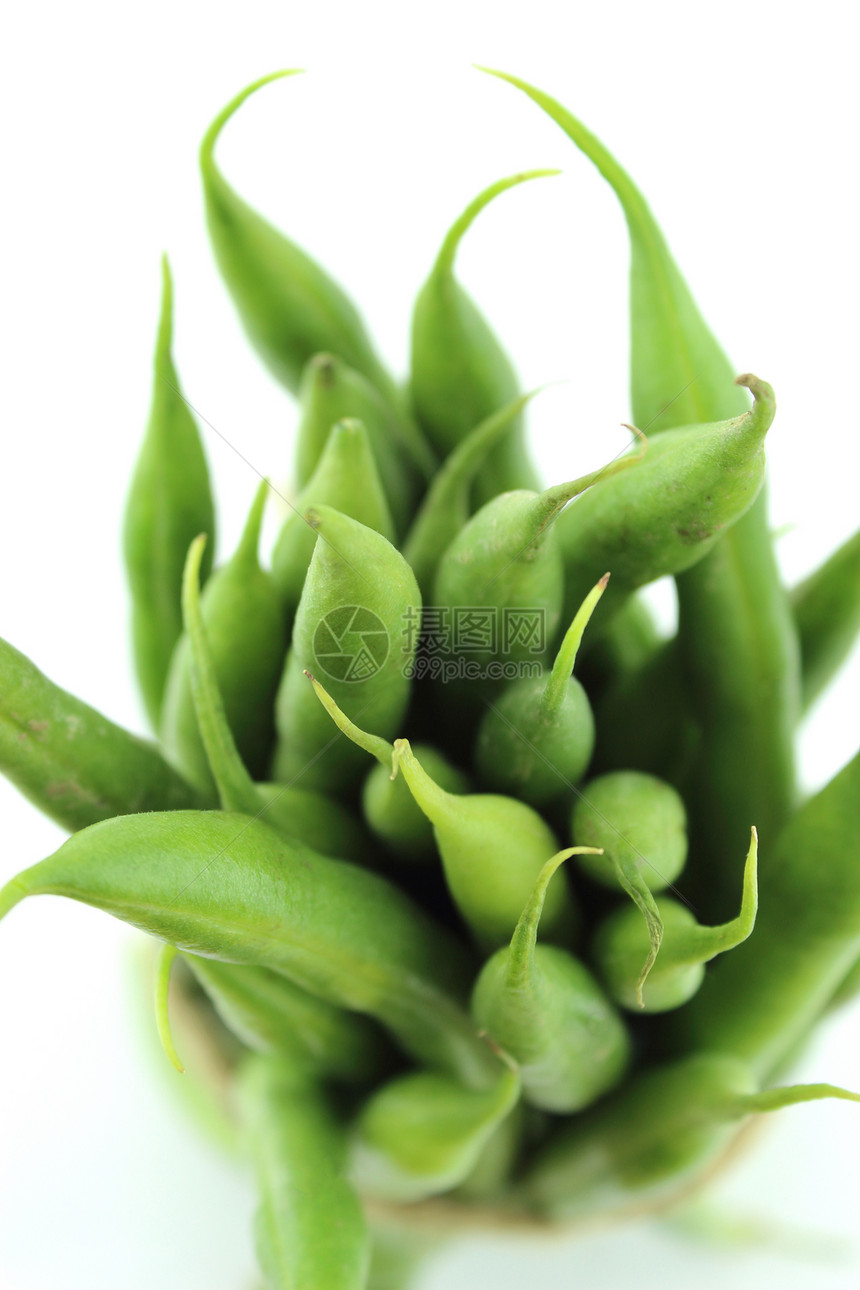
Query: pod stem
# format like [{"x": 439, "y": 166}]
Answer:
[
  {"x": 236, "y": 789},
  {"x": 550, "y": 503},
  {"x": 378, "y": 747},
  {"x": 521, "y": 956},
  {"x": 448, "y": 252},
  {"x": 566, "y": 657},
  {"x": 210, "y": 138},
  {"x": 249, "y": 542},
  {"x": 164, "y": 338},
  {"x": 11, "y": 895},
  {"x": 640, "y": 893},
  {"x": 702, "y": 944},
  {"x": 163, "y": 967},
  {"x": 433, "y": 800},
  {"x": 774, "y": 1099}
]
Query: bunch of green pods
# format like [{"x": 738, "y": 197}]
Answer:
[{"x": 372, "y": 754}]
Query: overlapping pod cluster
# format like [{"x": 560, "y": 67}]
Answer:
[{"x": 356, "y": 860}]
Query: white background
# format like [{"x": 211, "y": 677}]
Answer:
[{"x": 739, "y": 120}]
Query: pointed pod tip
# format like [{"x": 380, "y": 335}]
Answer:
[{"x": 761, "y": 391}]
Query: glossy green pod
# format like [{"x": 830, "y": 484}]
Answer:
[
  {"x": 739, "y": 641},
  {"x": 73, "y": 763},
  {"x": 289, "y": 306},
  {"x": 535, "y": 741},
  {"x": 330, "y": 391},
  {"x": 345, "y": 478},
  {"x": 353, "y": 629},
  {"x": 694, "y": 483},
  {"x": 654, "y": 1136},
  {"x": 826, "y": 608},
  {"x": 169, "y": 503},
  {"x": 543, "y": 1008},
  {"x": 621, "y": 946},
  {"x": 645, "y": 719},
  {"x": 640, "y": 824},
  {"x": 270, "y": 1014},
  {"x": 422, "y": 1133},
  {"x": 492, "y": 850},
  {"x": 446, "y": 508},
  {"x": 507, "y": 560},
  {"x": 460, "y": 375},
  {"x": 391, "y": 812},
  {"x": 226, "y": 886},
  {"x": 761, "y": 1001},
  {"x": 320, "y": 822},
  {"x": 244, "y": 620},
  {"x": 310, "y": 1229}
]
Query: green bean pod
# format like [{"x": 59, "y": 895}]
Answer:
[
  {"x": 321, "y": 822},
  {"x": 460, "y": 375},
  {"x": 621, "y": 945},
  {"x": 422, "y": 1133},
  {"x": 289, "y": 306},
  {"x": 507, "y": 559},
  {"x": 169, "y": 503},
  {"x": 270, "y": 1014},
  {"x": 826, "y": 608},
  {"x": 226, "y": 886},
  {"x": 352, "y": 628},
  {"x": 759, "y": 1002},
  {"x": 694, "y": 483},
  {"x": 346, "y": 478},
  {"x": 73, "y": 763},
  {"x": 546, "y": 1011},
  {"x": 492, "y": 850},
  {"x": 736, "y": 630},
  {"x": 446, "y": 509},
  {"x": 245, "y": 626},
  {"x": 535, "y": 741},
  {"x": 391, "y": 812},
  {"x": 655, "y": 1135},
  {"x": 645, "y": 718},
  {"x": 331, "y": 391},
  {"x": 310, "y": 1228},
  {"x": 639, "y": 824}
]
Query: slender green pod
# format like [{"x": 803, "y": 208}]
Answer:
[
  {"x": 270, "y": 1014},
  {"x": 645, "y": 718},
  {"x": 245, "y": 627},
  {"x": 422, "y": 1133},
  {"x": 535, "y": 741},
  {"x": 73, "y": 763},
  {"x": 621, "y": 945},
  {"x": 331, "y": 391},
  {"x": 320, "y": 822},
  {"x": 492, "y": 850},
  {"x": 546, "y": 1011},
  {"x": 639, "y": 824},
  {"x": 759, "y": 1002},
  {"x": 289, "y": 306},
  {"x": 391, "y": 812},
  {"x": 826, "y": 608},
  {"x": 169, "y": 503},
  {"x": 460, "y": 375},
  {"x": 679, "y": 374},
  {"x": 346, "y": 478},
  {"x": 507, "y": 560},
  {"x": 738, "y": 637},
  {"x": 848, "y": 988},
  {"x": 352, "y": 627},
  {"x": 228, "y": 887},
  {"x": 654, "y": 1135},
  {"x": 310, "y": 1228},
  {"x": 446, "y": 509},
  {"x": 694, "y": 483}
]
